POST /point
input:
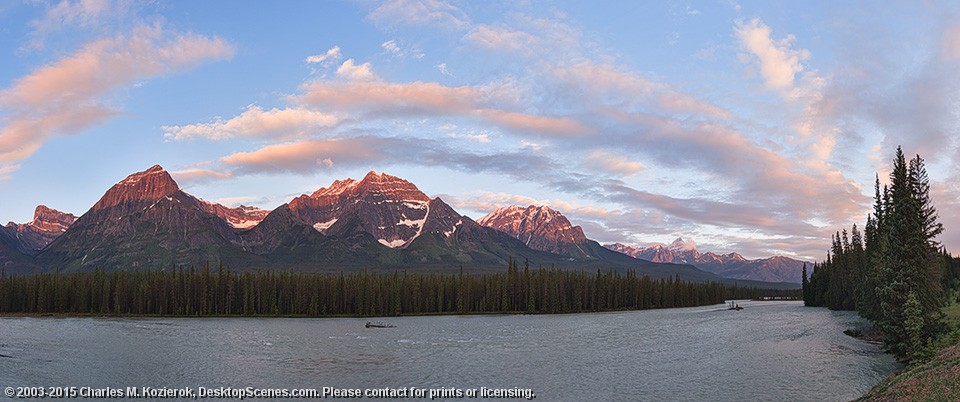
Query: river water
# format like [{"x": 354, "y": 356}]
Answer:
[{"x": 768, "y": 351}]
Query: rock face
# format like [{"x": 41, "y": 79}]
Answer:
[
  {"x": 732, "y": 265},
  {"x": 149, "y": 185},
  {"x": 392, "y": 210},
  {"x": 540, "y": 228},
  {"x": 47, "y": 225},
  {"x": 678, "y": 252},
  {"x": 144, "y": 221},
  {"x": 242, "y": 217}
]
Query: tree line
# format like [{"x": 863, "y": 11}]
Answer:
[
  {"x": 894, "y": 273},
  {"x": 204, "y": 292}
]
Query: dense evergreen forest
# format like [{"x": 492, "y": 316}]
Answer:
[
  {"x": 894, "y": 273},
  {"x": 203, "y": 293}
]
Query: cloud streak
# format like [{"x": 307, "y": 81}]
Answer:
[
  {"x": 66, "y": 96},
  {"x": 256, "y": 122},
  {"x": 327, "y": 58},
  {"x": 437, "y": 13}
]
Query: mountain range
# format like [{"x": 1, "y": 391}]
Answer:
[
  {"x": 732, "y": 265},
  {"x": 380, "y": 222}
]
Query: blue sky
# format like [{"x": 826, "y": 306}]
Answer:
[{"x": 755, "y": 127}]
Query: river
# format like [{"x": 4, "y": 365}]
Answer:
[{"x": 768, "y": 351}]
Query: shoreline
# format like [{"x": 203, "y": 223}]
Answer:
[
  {"x": 432, "y": 314},
  {"x": 935, "y": 379}
]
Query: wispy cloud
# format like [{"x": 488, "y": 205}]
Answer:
[
  {"x": 327, "y": 58},
  {"x": 85, "y": 14},
  {"x": 189, "y": 177},
  {"x": 66, "y": 96},
  {"x": 442, "y": 67},
  {"x": 393, "y": 48},
  {"x": 256, "y": 122},
  {"x": 309, "y": 156},
  {"x": 613, "y": 163},
  {"x": 379, "y": 98},
  {"x": 436, "y": 13}
]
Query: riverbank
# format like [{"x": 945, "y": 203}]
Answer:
[{"x": 937, "y": 379}]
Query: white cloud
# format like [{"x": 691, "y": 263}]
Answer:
[
  {"x": 86, "y": 14},
  {"x": 354, "y": 72},
  {"x": 255, "y": 122},
  {"x": 327, "y": 58},
  {"x": 443, "y": 69},
  {"x": 391, "y": 46},
  {"x": 437, "y": 13},
  {"x": 530, "y": 145},
  {"x": 481, "y": 137},
  {"x": 778, "y": 62},
  {"x": 394, "y": 49}
]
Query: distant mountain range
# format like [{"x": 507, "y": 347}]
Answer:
[
  {"x": 732, "y": 265},
  {"x": 380, "y": 222},
  {"x": 542, "y": 228}
]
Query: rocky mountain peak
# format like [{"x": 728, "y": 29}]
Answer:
[
  {"x": 683, "y": 245},
  {"x": 389, "y": 187},
  {"x": 539, "y": 227},
  {"x": 46, "y": 226},
  {"x": 149, "y": 185},
  {"x": 242, "y": 217},
  {"x": 51, "y": 220},
  {"x": 732, "y": 265},
  {"x": 392, "y": 210},
  {"x": 338, "y": 187},
  {"x": 373, "y": 187}
]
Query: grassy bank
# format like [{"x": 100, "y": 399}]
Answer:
[{"x": 937, "y": 379}]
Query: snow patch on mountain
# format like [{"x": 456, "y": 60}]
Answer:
[{"x": 322, "y": 226}]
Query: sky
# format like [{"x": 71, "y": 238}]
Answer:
[{"x": 755, "y": 127}]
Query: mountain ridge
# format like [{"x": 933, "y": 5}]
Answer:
[
  {"x": 146, "y": 221},
  {"x": 732, "y": 265}
]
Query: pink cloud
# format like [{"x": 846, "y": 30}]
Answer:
[
  {"x": 309, "y": 155},
  {"x": 416, "y": 96},
  {"x": 194, "y": 176},
  {"x": 950, "y": 42},
  {"x": 432, "y": 99},
  {"x": 6, "y": 171},
  {"x": 563, "y": 126},
  {"x": 64, "y": 97},
  {"x": 613, "y": 163},
  {"x": 607, "y": 84},
  {"x": 501, "y": 38}
]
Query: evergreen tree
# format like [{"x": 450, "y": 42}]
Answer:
[
  {"x": 805, "y": 286},
  {"x": 895, "y": 272}
]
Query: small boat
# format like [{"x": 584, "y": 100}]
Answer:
[{"x": 379, "y": 325}]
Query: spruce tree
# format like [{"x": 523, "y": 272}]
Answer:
[{"x": 805, "y": 285}]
